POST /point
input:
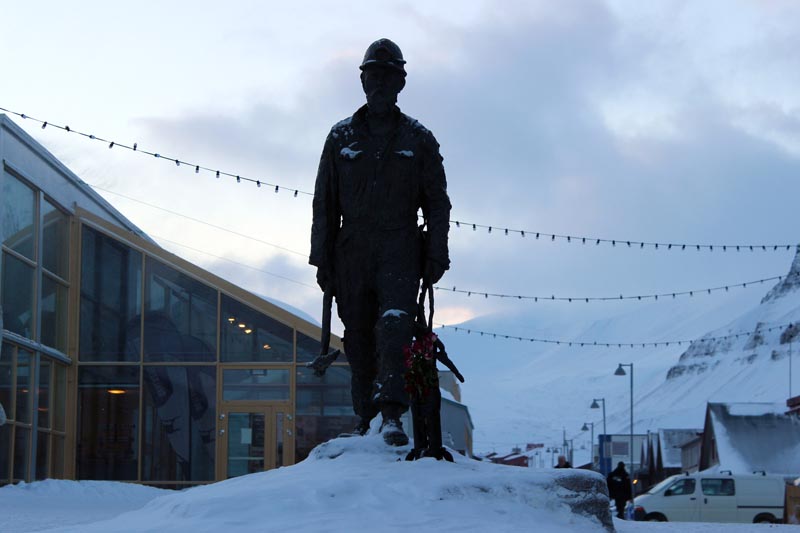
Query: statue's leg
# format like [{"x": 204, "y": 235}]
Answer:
[
  {"x": 397, "y": 284},
  {"x": 359, "y": 345},
  {"x": 356, "y": 305}
]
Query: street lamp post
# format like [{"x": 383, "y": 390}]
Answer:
[
  {"x": 591, "y": 442},
  {"x": 621, "y": 372},
  {"x": 596, "y": 406}
]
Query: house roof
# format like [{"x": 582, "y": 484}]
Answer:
[
  {"x": 755, "y": 436},
  {"x": 671, "y": 441}
]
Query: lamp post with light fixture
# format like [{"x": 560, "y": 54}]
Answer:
[
  {"x": 591, "y": 442},
  {"x": 596, "y": 406},
  {"x": 621, "y": 372}
]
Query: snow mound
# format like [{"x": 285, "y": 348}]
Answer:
[
  {"x": 358, "y": 483},
  {"x": 55, "y": 502}
]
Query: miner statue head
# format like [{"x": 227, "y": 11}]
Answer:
[{"x": 383, "y": 76}]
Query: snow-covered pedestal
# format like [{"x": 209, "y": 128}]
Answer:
[{"x": 348, "y": 484}]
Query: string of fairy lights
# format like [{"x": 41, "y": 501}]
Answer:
[
  {"x": 609, "y": 344},
  {"x": 490, "y": 229},
  {"x": 588, "y": 299}
]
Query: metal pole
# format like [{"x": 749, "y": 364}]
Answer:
[
  {"x": 591, "y": 445},
  {"x": 632, "y": 476}
]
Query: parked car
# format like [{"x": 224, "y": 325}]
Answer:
[{"x": 720, "y": 497}]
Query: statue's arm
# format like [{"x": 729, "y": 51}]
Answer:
[
  {"x": 435, "y": 202},
  {"x": 325, "y": 220}
]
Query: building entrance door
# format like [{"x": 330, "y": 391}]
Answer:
[{"x": 254, "y": 437}]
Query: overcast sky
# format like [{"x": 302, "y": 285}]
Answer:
[{"x": 656, "y": 121}]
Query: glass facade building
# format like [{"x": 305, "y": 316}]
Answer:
[{"x": 121, "y": 361}]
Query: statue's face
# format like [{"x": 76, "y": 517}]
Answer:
[{"x": 382, "y": 85}]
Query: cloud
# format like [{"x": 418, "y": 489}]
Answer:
[{"x": 580, "y": 120}]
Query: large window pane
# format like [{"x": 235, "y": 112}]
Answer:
[
  {"x": 22, "y": 449},
  {"x": 42, "y": 449},
  {"x": 54, "y": 314},
  {"x": 246, "y": 434},
  {"x": 57, "y": 462},
  {"x": 59, "y": 396},
  {"x": 44, "y": 393},
  {"x": 17, "y": 296},
  {"x": 111, "y": 299},
  {"x": 108, "y": 422},
  {"x": 179, "y": 423},
  {"x": 180, "y": 317},
  {"x": 6, "y": 377},
  {"x": 24, "y": 386},
  {"x": 5, "y": 453},
  {"x": 55, "y": 256},
  {"x": 17, "y": 215},
  {"x": 324, "y": 408},
  {"x": 308, "y": 348},
  {"x": 248, "y": 335},
  {"x": 255, "y": 384}
]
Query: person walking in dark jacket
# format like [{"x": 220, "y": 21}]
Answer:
[{"x": 619, "y": 488}]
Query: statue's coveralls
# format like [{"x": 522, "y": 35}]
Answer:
[{"x": 365, "y": 232}]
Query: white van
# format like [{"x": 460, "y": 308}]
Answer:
[{"x": 720, "y": 497}]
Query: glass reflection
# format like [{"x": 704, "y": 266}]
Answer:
[
  {"x": 108, "y": 423},
  {"x": 245, "y": 443},
  {"x": 324, "y": 408},
  {"x": 255, "y": 384},
  {"x": 180, "y": 316},
  {"x": 249, "y": 336},
  {"x": 6, "y": 375},
  {"x": 179, "y": 423},
  {"x": 17, "y": 209},
  {"x": 57, "y": 464},
  {"x": 54, "y": 314},
  {"x": 308, "y": 348},
  {"x": 44, "y": 393},
  {"x": 111, "y": 299},
  {"x": 5, "y": 452},
  {"x": 42, "y": 448},
  {"x": 55, "y": 255},
  {"x": 17, "y": 296},
  {"x": 24, "y": 386},
  {"x": 59, "y": 396},
  {"x": 22, "y": 450}
]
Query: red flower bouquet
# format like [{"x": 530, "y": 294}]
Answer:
[{"x": 420, "y": 359}]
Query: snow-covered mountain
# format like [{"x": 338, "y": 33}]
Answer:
[{"x": 521, "y": 391}]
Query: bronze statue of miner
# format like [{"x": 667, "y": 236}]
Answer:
[{"x": 378, "y": 168}]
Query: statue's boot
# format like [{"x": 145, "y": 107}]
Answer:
[
  {"x": 392, "y": 428},
  {"x": 393, "y": 434}
]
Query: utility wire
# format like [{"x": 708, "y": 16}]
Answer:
[
  {"x": 234, "y": 262},
  {"x": 635, "y": 244}
]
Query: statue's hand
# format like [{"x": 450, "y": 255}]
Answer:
[{"x": 433, "y": 271}]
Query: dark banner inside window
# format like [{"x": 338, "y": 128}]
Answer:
[
  {"x": 180, "y": 322},
  {"x": 179, "y": 423},
  {"x": 324, "y": 408},
  {"x": 108, "y": 423}
]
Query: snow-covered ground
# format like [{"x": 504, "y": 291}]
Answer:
[{"x": 355, "y": 484}]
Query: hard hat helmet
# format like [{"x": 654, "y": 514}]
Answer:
[{"x": 384, "y": 53}]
